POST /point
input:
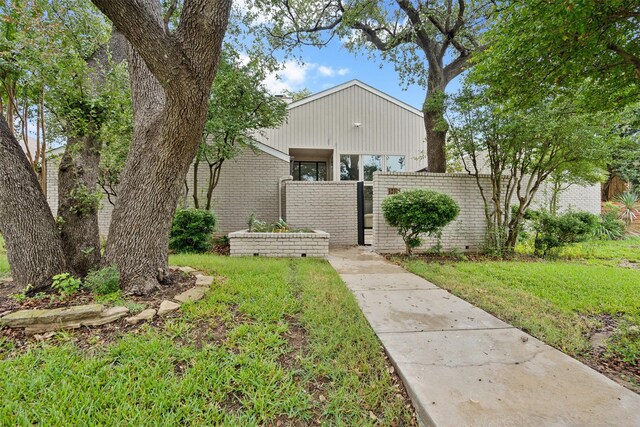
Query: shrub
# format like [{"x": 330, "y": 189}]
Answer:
[
  {"x": 555, "y": 231},
  {"x": 65, "y": 284},
  {"x": 610, "y": 227},
  {"x": 417, "y": 212},
  {"x": 104, "y": 281},
  {"x": 191, "y": 230}
]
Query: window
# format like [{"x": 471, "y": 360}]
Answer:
[
  {"x": 309, "y": 171},
  {"x": 349, "y": 167},
  {"x": 395, "y": 163},
  {"x": 371, "y": 164}
]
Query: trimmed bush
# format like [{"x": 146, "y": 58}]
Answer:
[
  {"x": 104, "y": 281},
  {"x": 556, "y": 231},
  {"x": 417, "y": 212},
  {"x": 191, "y": 230}
]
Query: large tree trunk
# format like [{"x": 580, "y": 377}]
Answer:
[
  {"x": 167, "y": 132},
  {"x": 170, "y": 109},
  {"x": 32, "y": 239},
  {"x": 77, "y": 176},
  {"x": 434, "y": 122}
]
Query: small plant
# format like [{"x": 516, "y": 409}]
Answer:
[
  {"x": 629, "y": 213},
  {"x": 85, "y": 201},
  {"x": 104, "y": 281},
  {"x": 66, "y": 284},
  {"x": 417, "y": 212},
  {"x": 22, "y": 296},
  {"x": 555, "y": 231},
  {"x": 610, "y": 227},
  {"x": 191, "y": 230},
  {"x": 281, "y": 226},
  {"x": 255, "y": 225}
]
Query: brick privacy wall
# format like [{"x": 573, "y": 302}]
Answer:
[
  {"x": 104, "y": 215},
  {"x": 467, "y": 232},
  {"x": 248, "y": 184},
  {"x": 329, "y": 206},
  {"x": 575, "y": 197},
  {"x": 313, "y": 245}
]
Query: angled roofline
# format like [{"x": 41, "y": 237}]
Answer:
[
  {"x": 361, "y": 85},
  {"x": 270, "y": 150}
]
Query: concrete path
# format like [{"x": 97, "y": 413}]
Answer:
[{"x": 464, "y": 367}]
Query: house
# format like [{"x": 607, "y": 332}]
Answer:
[
  {"x": 342, "y": 134},
  {"x": 317, "y": 170}
]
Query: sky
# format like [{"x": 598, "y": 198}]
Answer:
[{"x": 332, "y": 65}]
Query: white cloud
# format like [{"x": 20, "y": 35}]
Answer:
[
  {"x": 326, "y": 71},
  {"x": 292, "y": 76},
  {"x": 343, "y": 71}
]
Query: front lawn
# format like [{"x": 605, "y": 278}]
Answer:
[
  {"x": 282, "y": 342},
  {"x": 595, "y": 287}
]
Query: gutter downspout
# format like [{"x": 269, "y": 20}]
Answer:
[{"x": 280, "y": 181}]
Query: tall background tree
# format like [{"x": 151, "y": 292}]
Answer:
[
  {"x": 563, "y": 46},
  {"x": 58, "y": 51},
  {"x": 429, "y": 43}
]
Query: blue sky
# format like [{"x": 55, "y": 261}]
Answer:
[{"x": 334, "y": 64}]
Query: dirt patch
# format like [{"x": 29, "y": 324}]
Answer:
[
  {"x": 629, "y": 264},
  {"x": 176, "y": 283},
  {"x": 610, "y": 365},
  {"x": 614, "y": 367}
]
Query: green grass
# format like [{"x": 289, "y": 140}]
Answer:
[
  {"x": 607, "y": 250},
  {"x": 4, "y": 263},
  {"x": 553, "y": 300},
  {"x": 188, "y": 374}
]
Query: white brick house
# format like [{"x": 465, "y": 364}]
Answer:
[{"x": 306, "y": 170}]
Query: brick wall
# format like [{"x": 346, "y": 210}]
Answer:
[
  {"x": 248, "y": 184},
  {"x": 467, "y": 232},
  {"x": 575, "y": 197},
  {"x": 313, "y": 245},
  {"x": 329, "y": 206}
]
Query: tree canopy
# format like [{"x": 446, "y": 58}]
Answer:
[{"x": 539, "y": 47}]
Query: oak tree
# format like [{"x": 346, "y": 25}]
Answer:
[{"x": 429, "y": 43}]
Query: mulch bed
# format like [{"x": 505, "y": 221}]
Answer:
[{"x": 86, "y": 337}]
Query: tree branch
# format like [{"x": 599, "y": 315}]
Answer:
[
  {"x": 141, "y": 23},
  {"x": 628, "y": 57}
]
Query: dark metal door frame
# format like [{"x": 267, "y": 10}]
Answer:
[{"x": 360, "y": 198}]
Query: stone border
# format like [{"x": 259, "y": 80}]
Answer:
[
  {"x": 314, "y": 244},
  {"x": 48, "y": 320}
]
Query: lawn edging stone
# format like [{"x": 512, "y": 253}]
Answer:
[{"x": 36, "y": 321}]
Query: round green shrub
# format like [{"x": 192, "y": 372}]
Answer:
[
  {"x": 191, "y": 230},
  {"x": 417, "y": 212}
]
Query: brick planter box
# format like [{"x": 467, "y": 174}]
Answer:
[{"x": 314, "y": 244}]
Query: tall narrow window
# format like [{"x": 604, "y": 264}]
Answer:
[
  {"x": 349, "y": 167},
  {"x": 395, "y": 164},
  {"x": 371, "y": 164}
]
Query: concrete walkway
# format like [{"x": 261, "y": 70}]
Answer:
[{"x": 464, "y": 367}]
